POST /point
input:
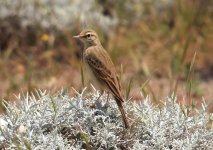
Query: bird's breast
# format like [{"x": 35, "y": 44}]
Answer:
[{"x": 93, "y": 77}]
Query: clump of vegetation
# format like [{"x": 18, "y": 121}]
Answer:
[
  {"x": 44, "y": 121},
  {"x": 159, "y": 37}
]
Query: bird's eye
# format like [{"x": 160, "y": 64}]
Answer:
[{"x": 88, "y": 35}]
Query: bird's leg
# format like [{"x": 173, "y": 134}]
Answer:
[
  {"x": 102, "y": 92},
  {"x": 107, "y": 101},
  {"x": 107, "y": 96},
  {"x": 96, "y": 101}
]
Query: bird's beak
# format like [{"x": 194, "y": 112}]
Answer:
[{"x": 77, "y": 37}]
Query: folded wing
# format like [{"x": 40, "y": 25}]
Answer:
[{"x": 103, "y": 71}]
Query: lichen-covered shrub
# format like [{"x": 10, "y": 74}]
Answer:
[{"x": 45, "y": 121}]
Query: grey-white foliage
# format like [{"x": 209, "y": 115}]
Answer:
[
  {"x": 63, "y": 14},
  {"x": 45, "y": 121},
  {"x": 68, "y": 14}
]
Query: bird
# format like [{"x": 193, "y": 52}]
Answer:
[{"x": 101, "y": 68}]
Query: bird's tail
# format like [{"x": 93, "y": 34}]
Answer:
[{"x": 123, "y": 114}]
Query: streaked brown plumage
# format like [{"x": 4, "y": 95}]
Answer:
[{"x": 101, "y": 67}]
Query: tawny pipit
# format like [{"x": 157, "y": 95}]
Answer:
[{"x": 101, "y": 67}]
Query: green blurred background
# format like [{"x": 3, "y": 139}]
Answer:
[{"x": 159, "y": 47}]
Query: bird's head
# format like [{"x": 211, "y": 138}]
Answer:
[{"x": 88, "y": 37}]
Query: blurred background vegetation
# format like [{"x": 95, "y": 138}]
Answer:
[{"x": 159, "y": 47}]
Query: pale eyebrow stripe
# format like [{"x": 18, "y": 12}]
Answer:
[{"x": 88, "y": 32}]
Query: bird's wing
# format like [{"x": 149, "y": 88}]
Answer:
[{"x": 103, "y": 69}]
